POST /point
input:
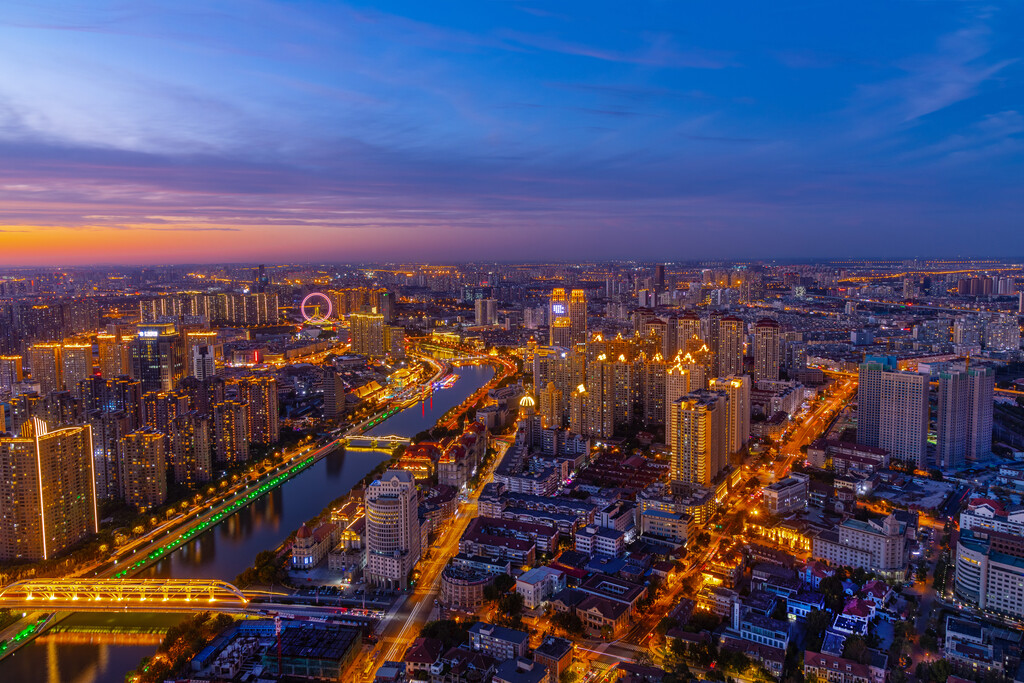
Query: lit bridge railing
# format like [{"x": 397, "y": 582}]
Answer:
[
  {"x": 139, "y": 595},
  {"x": 390, "y": 439}
]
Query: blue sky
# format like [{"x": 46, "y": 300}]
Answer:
[{"x": 460, "y": 130}]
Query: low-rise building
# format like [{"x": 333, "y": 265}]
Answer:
[
  {"x": 497, "y": 641},
  {"x": 555, "y": 654},
  {"x": 595, "y": 540},
  {"x": 310, "y": 547},
  {"x": 825, "y": 667},
  {"x": 464, "y": 579},
  {"x": 875, "y": 545},
  {"x": 539, "y": 584},
  {"x": 670, "y": 526},
  {"x": 603, "y": 617},
  {"x": 786, "y": 495},
  {"x": 617, "y": 590},
  {"x": 717, "y": 600},
  {"x": 978, "y": 650},
  {"x": 520, "y": 670}
]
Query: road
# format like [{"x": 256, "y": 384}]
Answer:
[
  {"x": 808, "y": 428},
  {"x": 195, "y": 519},
  {"x": 403, "y": 626}
]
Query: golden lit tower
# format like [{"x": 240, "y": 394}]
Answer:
[
  {"x": 559, "y": 324},
  {"x": 578, "y": 315},
  {"x": 367, "y": 334},
  {"x": 144, "y": 464},
  {"x": 190, "y": 448},
  {"x": 392, "y": 529},
  {"x": 699, "y": 437},
  {"x": 231, "y": 420},
  {"x": 47, "y": 491},
  {"x": 680, "y": 379},
  {"x": 689, "y": 326}
]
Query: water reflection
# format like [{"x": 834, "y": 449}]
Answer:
[
  {"x": 230, "y": 547},
  {"x": 55, "y": 662}
]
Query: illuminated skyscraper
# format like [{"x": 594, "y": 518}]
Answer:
[
  {"x": 892, "y": 411},
  {"x": 10, "y": 373},
  {"x": 367, "y": 334},
  {"x": 108, "y": 428},
  {"x": 260, "y": 393},
  {"x": 231, "y": 420},
  {"x": 114, "y": 355},
  {"x": 951, "y": 421},
  {"x": 611, "y": 390},
  {"x": 486, "y": 312},
  {"x": 47, "y": 368},
  {"x": 76, "y": 364},
  {"x": 158, "y": 357},
  {"x": 47, "y": 491},
  {"x": 190, "y": 451},
  {"x": 578, "y": 316},
  {"x": 731, "y": 333},
  {"x": 144, "y": 469},
  {"x": 653, "y": 387},
  {"x": 680, "y": 380},
  {"x": 559, "y": 324},
  {"x": 333, "y": 387},
  {"x": 869, "y": 398},
  {"x": 579, "y": 403},
  {"x": 392, "y": 529},
  {"x": 699, "y": 437},
  {"x": 981, "y": 400},
  {"x": 737, "y": 389},
  {"x": 689, "y": 326},
  {"x": 551, "y": 406},
  {"x": 964, "y": 421},
  {"x": 766, "y": 349},
  {"x": 394, "y": 341}
]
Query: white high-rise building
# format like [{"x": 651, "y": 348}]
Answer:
[
  {"x": 904, "y": 418},
  {"x": 892, "y": 411},
  {"x": 392, "y": 529},
  {"x": 964, "y": 423},
  {"x": 951, "y": 423},
  {"x": 981, "y": 398},
  {"x": 202, "y": 362}
]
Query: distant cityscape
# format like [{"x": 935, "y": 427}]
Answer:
[{"x": 516, "y": 473}]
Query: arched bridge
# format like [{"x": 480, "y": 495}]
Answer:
[{"x": 123, "y": 595}]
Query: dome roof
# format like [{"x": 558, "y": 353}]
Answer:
[
  {"x": 303, "y": 532},
  {"x": 527, "y": 402}
]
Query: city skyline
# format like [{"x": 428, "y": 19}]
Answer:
[{"x": 285, "y": 132}]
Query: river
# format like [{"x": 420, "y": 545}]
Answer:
[{"x": 227, "y": 549}]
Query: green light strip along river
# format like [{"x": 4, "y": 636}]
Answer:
[{"x": 223, "y": 550}]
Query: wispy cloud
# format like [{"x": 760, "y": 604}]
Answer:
[{"x": 931, "y": 82}]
